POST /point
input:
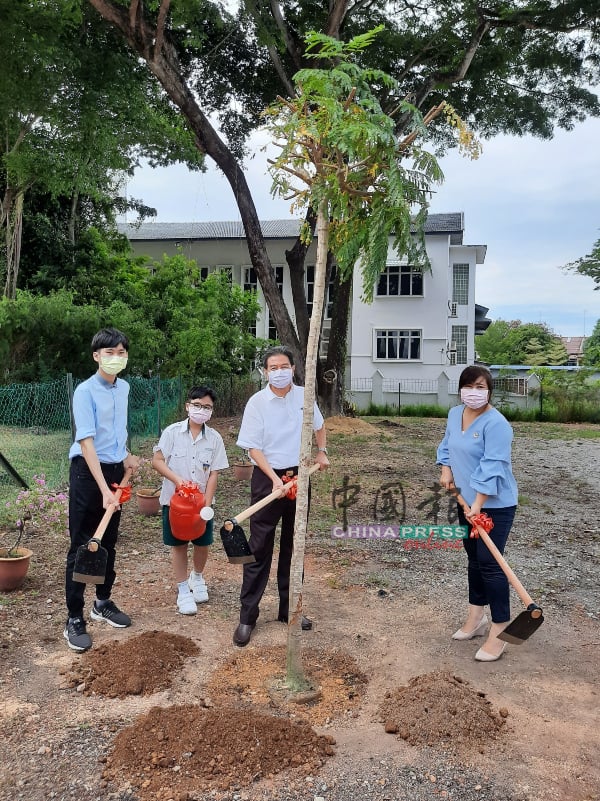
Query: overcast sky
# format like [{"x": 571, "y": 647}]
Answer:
[{"x": 535, "y": 204}]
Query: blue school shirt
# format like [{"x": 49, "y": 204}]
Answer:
[
  {"x": 100, "y": 411},
  {"x": 480, "y": 457}
]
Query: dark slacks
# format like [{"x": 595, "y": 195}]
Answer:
[
  {"x": 487, "y": 582},
  {"x": 85, "y": 513},
  {"x": 262, "y": 540}
]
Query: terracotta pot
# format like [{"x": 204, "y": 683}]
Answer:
[
  {"x": 13, "y": 569},
  {"x": 243, "y": 472},
  {"x": 148, "y": 501}
]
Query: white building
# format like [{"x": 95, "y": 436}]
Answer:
[{"x": 419, "y": 324}]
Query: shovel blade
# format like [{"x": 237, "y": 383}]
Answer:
[
  {"x": 523, "y": 626},
  {"x": 90, "y": 566},
  {"x": 236, "y": 546}
]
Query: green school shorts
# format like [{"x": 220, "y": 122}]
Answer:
[{"x": 169, "y": 539}]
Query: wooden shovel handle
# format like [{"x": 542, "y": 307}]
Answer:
[
  {"x": 94, "y": 543},
  {"x": 506, "y": 568},
  {"x": 239, "y": 518}
]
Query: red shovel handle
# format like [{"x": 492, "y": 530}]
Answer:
[
  {"x": 94, "y": 543},
  {"x": 239, "y": 518},
  {"x": 506, "y": 568}
]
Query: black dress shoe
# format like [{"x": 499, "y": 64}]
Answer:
[
  {"x": 306, "y": 622},
  {"x": 241, "y": 636}
]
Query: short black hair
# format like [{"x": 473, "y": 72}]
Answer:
[
  {"x": 470, "y": 374},
  {"x": 109, "y": 338},
  {"x": 277, "y": 350},
  {"x": 201, "y": 392}
]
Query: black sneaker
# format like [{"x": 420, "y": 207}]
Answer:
[
  {"x": 76, "y": 636},
  {"x": 110, "y": 613}
]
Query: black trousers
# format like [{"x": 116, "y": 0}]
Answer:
[
  {"x": 262, "y": 540},
  {"x": 85, "y": 513}
]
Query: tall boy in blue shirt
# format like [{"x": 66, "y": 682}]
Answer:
[{"x": 99, "y": 458}]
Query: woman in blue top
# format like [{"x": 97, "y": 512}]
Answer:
[{"x": 475, "y": 455}]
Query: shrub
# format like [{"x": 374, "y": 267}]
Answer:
[{"x": 48, "y": 509}]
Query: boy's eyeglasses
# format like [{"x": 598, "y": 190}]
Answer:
[{"x": 202, "y": 406}]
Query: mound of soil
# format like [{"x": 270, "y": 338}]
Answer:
[
  {"x": 140, "y": 665},
  {"x": 180, "y": 751},
  {"x": 441, "y": 709},
  {"x": 255, "y": 677},
  {"x": 349, "y": 425}
]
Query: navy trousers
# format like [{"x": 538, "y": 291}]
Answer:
[
  {"x": 262, "y": 541},
  {"x": 85, "y": 513},
  {"x": 487, "y": 582}
]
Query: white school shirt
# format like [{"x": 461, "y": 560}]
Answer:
[
  {"x": 192, "y": 459},
  {"x": 274, "y": 425}
]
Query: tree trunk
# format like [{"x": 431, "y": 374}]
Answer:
[
  {"x": 296, "y": 679},
  {"x": 332, "y": 375},
  {"x": 295, "y": 259},
  {"x": 163, "y": 62},
  {"x": 73, "y": 220},
  {"x": 14, "y": 230}
]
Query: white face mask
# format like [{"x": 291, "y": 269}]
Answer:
[
  {"x": 474, "y": 398},
  {"x": 199, "y": 416},
  {"x": 111, "y": 365},
  {"x": 280, "y": 379}
]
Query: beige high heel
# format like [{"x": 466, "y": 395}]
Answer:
[
  {"x": 485, "y": 656},
  {"x": 479, "y": 631}
]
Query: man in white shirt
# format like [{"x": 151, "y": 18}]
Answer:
[{"x": 271, "y": 430}]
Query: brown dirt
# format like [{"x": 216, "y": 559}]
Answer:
[
  {"x": 140, "y": 666},
  {"x": 441, "y": 709},
  {"x": 256, "y": 678},
  {"x": 348, "y": 425},
  {"x": 380, "y": 651},
  {"x": 170, "y": 753}
]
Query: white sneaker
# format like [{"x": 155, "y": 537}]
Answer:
[
  {"x": 198, "y": 587},
  {"x": 186, "y": 604}
]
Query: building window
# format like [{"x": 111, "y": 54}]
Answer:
[
  {"x": 226, "y": 269},
  {"x": 310, "y": 289},
  {"x": 278, "y": 270},
  {"x": 397, "y": 344},
  {"x": 400, "y": 280},
  {"x": 250, "y": 280},
  {"x": 204, "y": 271},
  {"x": 460, "y": 284},
  {"x": 459, "y": 339}
]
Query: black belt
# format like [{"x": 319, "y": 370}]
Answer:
[{"x": 286, "y": 471}]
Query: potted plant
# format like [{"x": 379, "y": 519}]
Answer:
[
  {"x": 147, "y": 484},
  {"x": 243, "y": 467},
  {"x": 14, "y": 560},
  {"x": 45, "y": 509}
]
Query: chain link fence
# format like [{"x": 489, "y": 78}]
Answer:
[{"x": 36, "y": 429}]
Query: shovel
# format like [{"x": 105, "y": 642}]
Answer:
[
  {"x": 91, "y": 559},
  {"x": 531, "y": 618},
  {"x": 232, "y": 534}
]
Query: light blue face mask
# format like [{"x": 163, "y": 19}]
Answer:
[{"x": 280, "y": 379}]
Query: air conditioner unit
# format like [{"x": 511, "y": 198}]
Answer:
[{"x": 452, "y": 308}]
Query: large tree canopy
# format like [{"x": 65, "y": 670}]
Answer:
[
  {"x": 512, "y": 342},
  {"x": 76, "y": 111},
  {"x": 511, "y": 66}
]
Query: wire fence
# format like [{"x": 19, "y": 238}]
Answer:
[{"x": 36, "y": 429}]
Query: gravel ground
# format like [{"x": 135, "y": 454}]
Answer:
[{"x": 390, "y": 609}]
